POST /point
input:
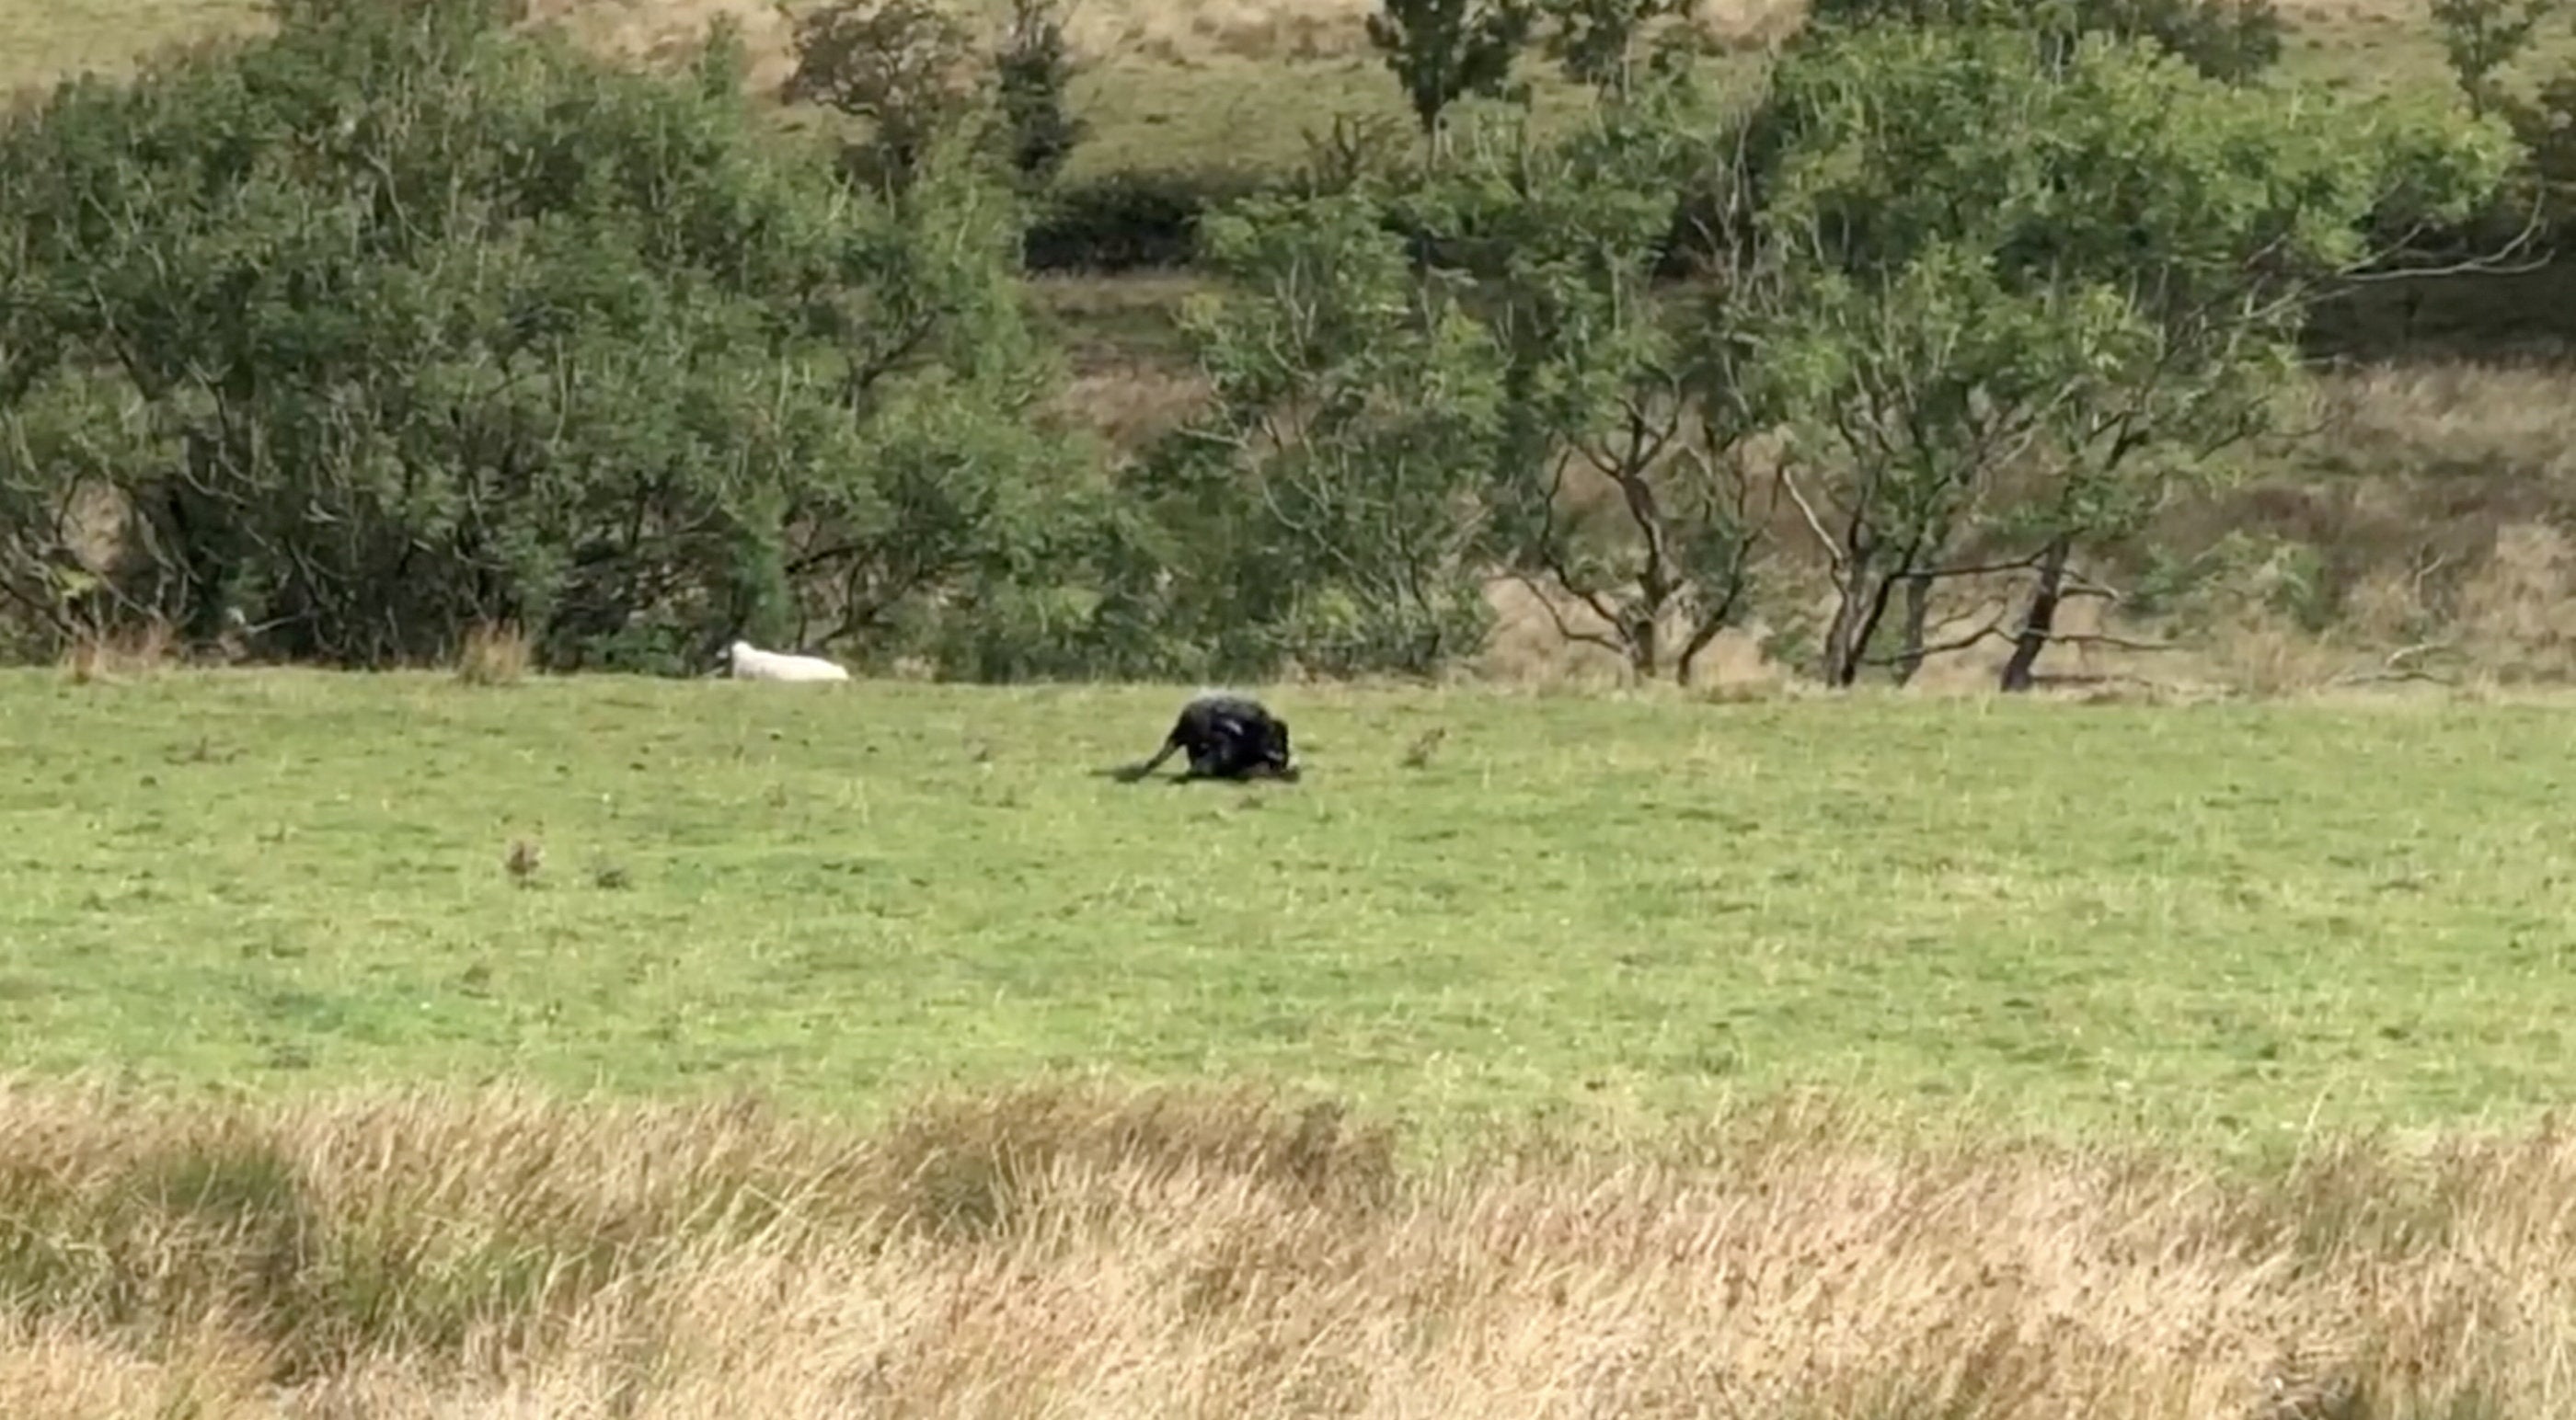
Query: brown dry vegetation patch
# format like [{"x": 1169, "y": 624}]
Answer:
[
  {"x": 1161, "y": 31},
  {"x": 1182, "y": 30},
  {"x": 2434, "y": 509},
  {"x": 2426, "y": 527},
  {"x": 71, "y": 34},
  {"x": 493, "y": 653},
  {"x": 1079, "y": 1251},
  {"x": 661, "y": 31},
  {"x": 123, "y": 655}
]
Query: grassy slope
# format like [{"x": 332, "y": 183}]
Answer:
[
  {"x": 2213, "y": 917},
  {"x": 1240, "y": 84},
  {"x": 43, "y": 39},
  {"x": 1167, "y": 84}
]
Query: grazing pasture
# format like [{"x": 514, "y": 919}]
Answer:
[{"x": 2226, "y": 920}]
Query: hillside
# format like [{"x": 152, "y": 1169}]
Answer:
[{"x": 1166, "y": 84}]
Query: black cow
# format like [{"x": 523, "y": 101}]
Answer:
[{"x": 1225, "y": 737}]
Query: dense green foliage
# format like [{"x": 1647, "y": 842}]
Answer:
[
  {"x": 1442, "y": 51},
  {"x": 1998, "y": 294},
  {"x": 1330, "y": 498},
  {"x": 402, "y": 321},
  {"x": 2488, "y": 44},
  {"x": 1994, "y": 350}
]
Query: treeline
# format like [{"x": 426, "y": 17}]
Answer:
[
  {"x": 401, "y": 321},
  {"x": 1147, "y": 218}
]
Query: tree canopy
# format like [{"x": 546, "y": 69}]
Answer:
[{"x": 402, "y": 320}]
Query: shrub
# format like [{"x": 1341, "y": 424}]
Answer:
[
  {"x": 398, "y": 322},
  {"x": 1326, "y": 506},
  {"x": 2231, "y": 40},
  {"x": 492, "y": 655},
  {"x": 1033, "y": 77},
  {"x": 1132, "y": 220},
  {"x": 1442, "y": 51},
  {"x": 907, "y": 69}
]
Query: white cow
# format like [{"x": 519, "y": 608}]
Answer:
[{"x": 745, "y": 661}]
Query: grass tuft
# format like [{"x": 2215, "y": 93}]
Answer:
[
  {"x": 124, "y": 655},
  {"x": 493, "y": 654}
]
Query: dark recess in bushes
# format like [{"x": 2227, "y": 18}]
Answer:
[
  {"x": 1132, "y": 221},
  {"x": 1149, "y": 221}
]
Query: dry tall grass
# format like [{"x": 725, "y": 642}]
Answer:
[
  {"x": 492, "y": 654},
  {"x": 2433, "y": 500},
  {"x": 1105, "y": 31},
  {"x": 1073, "y": 1252},
  {"x": 1118, "y": 30},
  {"x": 120, "y": 654}
]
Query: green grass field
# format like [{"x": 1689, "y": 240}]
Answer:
[{"x": 2225, "y": 920}]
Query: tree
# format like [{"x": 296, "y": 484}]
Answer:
[
  {"x": 1327, "y": 508},
  {"x": 1613, "y": 384},
  {"x": 1444, "y": 50},
  {"x": 1033, "y": 76},
  {"x": 2034, "y": 291},
  {"x": 920, "y": 81},
  {"x": 1595, "y": 41},
  {"x": 908, "y": 69},
  {"x": 1438, "y": 377},
  {"x": 397, "y": 321},
  {"x": 1911, "y": 392},
  {"x": 2481, "y": 38}
]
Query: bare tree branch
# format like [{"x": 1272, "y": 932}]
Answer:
[
  {"x": 1989, "y": 631},
  {"x": 1815, "y": 524},
  {"x": 2104, "y": 638}
]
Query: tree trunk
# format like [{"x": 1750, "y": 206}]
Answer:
[
  {"x": 1686, "y": 665},
  {"x": 1645, "y": 643},
  {"x": 1862, "y": 608},
  {"x": 1918, "y": 611},
  {"x": 1839, "y": 663},
  {"x": 2037, "y": 627}
]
